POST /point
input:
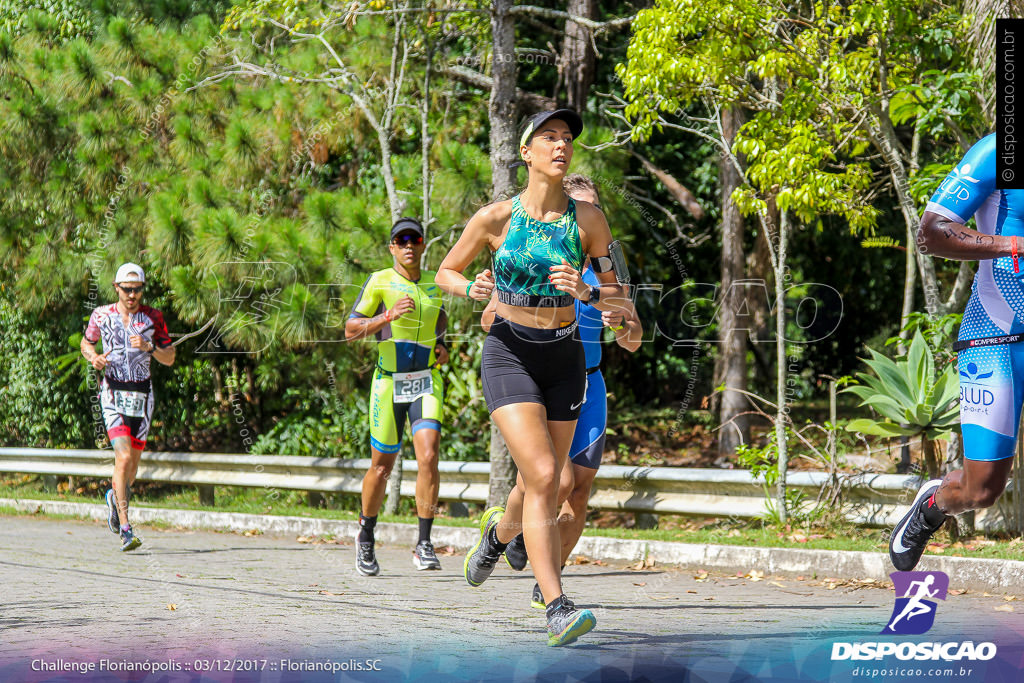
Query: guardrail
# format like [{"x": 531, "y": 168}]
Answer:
[{"x": 869, "y": 499}]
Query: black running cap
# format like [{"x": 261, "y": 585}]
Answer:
[
  {"x": 571, "y": 118},
  {"x": 406, "y": 224}
]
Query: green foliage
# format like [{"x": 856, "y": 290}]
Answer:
[
  {"x": 764, "y": 462},
  {"x": 55, "y": 19},
  {"x": 36, "y": 410},
  {"x": 909, "y": 394}
]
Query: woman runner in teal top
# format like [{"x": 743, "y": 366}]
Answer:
[{"x": 532, "y": 367}]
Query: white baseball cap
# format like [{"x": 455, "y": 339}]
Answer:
[{"x": 130, "y": 272}]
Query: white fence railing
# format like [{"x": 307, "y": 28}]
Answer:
[{"x": 870, "y": 499}]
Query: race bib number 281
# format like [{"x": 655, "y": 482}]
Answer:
[{"x": 409, "y": 386}]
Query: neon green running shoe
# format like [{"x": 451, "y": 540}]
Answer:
[{"x": 481, "y": 559}]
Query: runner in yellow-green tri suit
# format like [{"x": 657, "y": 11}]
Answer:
[{"x": 402, "y": 307}]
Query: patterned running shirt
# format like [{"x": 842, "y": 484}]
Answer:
[{"x": 124, "y": 363}]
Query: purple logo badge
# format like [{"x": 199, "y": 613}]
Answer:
[{"x": 916, "y": 592}]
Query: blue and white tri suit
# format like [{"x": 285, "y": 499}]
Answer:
[
  {"x": 991, "y": 377},
  {"x": 588, "y": 439}
]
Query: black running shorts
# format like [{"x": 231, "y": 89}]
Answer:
[{"x": 530, "y": 365}]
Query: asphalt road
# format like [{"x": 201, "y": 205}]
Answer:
[{"x": 190, "y": 600}]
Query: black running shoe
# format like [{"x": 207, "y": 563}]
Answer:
[
  {"x": 366, "y": 559},
  {"x": 424, "y": 557},
  {"x": 515, "y": 553},
  {"x": 537, "y": 599},
  {"x": 910, "y": 537}
]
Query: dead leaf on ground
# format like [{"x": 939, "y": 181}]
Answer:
[
  {"x": 180, "y": 576},
  {"x": 776, "y": 583},
  {"x": 710, "y": 598},
  {"x": 253, "y": 532},
  {"x": 642, "y": 583},
  {"x": 599, "y": 563},
  {"x": 694, "y": 592},
  {"x": 580, "y": 559},
  {"x": 446, "y": 551},
  {"x": 300, "y": 539},
  {"x": 641, "y": 565},
  {"x": 329, "y": 593},
  {"x": 172, "y": 606},
  {"x": 755, "y": 575},
  {"x": 1004, "y": 608},
  {"x": 957, "y": 591},
  {"x": 1009, "y": 598},
  {"x": 700, "y": 576}
]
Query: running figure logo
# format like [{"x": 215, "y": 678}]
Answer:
[{"x": 914, "y": 612}]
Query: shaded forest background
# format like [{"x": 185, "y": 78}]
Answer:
[{"x": 252, "y": 157}]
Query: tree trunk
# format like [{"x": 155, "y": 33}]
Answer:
[
  {"x": 883, "y": 135},
  {"x": 503, "y": 139},
  {"x": 576, "y": 68},
  {"x": 782, "y": 411},
  {"x": 395, "y": 486},
  {"x": 502, "y": 104},
  {"x": 425, "y": 140},
  {"x": 731, "y": 364},
  {"x": 931, "y": 462}
]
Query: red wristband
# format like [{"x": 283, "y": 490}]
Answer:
[
  {"x": 387, "y": 315},
  {"x": 1013, "y": 248}
]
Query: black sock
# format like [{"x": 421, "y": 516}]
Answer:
[
  {"x": 425, "y": 525},
  {"x": 366, "y": 525},
  {"x": 554, "y": 605},
  {"x": 492, "y": 538},
  {"x": 932, "y": 514}
]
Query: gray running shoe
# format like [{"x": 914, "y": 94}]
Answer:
[
  {"x": 366, "y": 559},
  {"x": 515, "y": 553},
  {"x": 113, "y": 522},
  {"x": 424, "y": 557},
  {"x": 567, "y": 623},
  {"x": 481, "y": 559},
  {"x": 129, "y": 541}
]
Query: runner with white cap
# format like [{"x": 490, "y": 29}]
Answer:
[{"x": 131, "y": 334}]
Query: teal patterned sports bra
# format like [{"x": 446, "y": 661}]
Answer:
[{"x": 522, "y": 263}]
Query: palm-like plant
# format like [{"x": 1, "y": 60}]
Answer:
[{"x": 911, "y": 397}]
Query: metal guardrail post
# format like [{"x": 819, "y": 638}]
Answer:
[{"x": 206, "y": 495}]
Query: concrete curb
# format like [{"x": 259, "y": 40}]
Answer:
[{"x": 975, "y": 574}]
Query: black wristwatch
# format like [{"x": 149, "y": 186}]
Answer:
[{"x": 595, "y": 295}]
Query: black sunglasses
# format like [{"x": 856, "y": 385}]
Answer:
[
  {"x": 132, "y": 290},
  {"x": 403, "y": 240}
]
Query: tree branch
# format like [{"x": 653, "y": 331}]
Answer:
[
  {"x": 681, "y": 194},
  {"x": 484, "y": 82},
  {"x": 595, "y": 26}
]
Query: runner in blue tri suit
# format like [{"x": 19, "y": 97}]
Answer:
[
  {"x": 588, "y": 439},
  {"x": 991, "y": 371}
]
